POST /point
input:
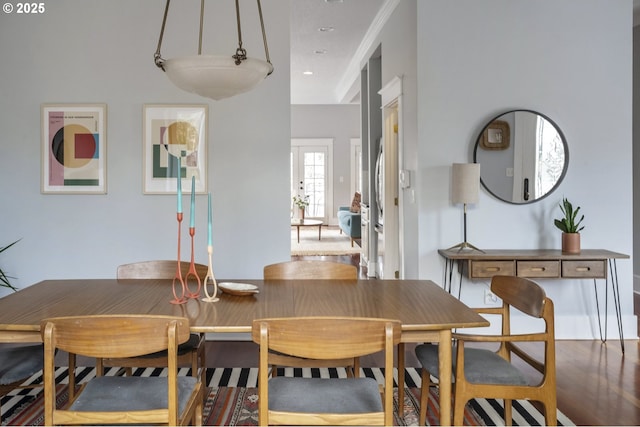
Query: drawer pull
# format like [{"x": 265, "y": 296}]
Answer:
[
  {"x": 538, "y": 269},
  {"x": 583, "y": 268},
  {"x": 492, "y": 269}
]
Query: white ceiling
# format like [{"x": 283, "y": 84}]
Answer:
[{"x": 337, "y": 69}]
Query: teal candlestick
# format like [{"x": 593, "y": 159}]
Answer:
[{"x": 179, "y": 185}]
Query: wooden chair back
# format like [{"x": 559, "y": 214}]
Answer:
[
  {"x": 325, "y": 338},
  {"x": 162, "y": 269},
  {"x": 310, "y": 269},
  {"x": 521, "y": 293},
  {"x": 115, "y": 336},
  {"x": 529, "y": 298},
  {"x": 157, "y": 269}
]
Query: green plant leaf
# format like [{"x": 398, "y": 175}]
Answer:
[
  {"x": 560, "y": 224},
  {"x": 568, "y": 224},
  {"x": 4, "y": 279}
]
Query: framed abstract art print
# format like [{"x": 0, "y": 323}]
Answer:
[
  {"x": 74, "y": 147},
  {"x": 173, "y": 132}
]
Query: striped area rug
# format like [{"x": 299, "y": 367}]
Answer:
[{"x": 233, "y": 398}]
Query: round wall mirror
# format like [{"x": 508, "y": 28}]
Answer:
[{"x": 523, "y": 156}]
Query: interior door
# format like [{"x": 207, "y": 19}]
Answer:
[
  {"x": 310, "y": 176},
  {"x": 387, "y": 227}
]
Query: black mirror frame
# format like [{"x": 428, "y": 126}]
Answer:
[{"x": 564, "y": 143}]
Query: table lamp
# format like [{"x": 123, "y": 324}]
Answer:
[{"x": 465, "y": 188}]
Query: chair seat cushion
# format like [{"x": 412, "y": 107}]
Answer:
[
  {"x": 19, "y": 362},
  {"x": 131, "y": 393},
  {"x": 480, "y": 365},
  {"x": 316, "y": 395},
  {"x": 184, "y": 348}
]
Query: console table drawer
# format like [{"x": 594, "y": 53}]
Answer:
[
  {"x": 538, "y": 268},
  {"x": 479, "y": 269},
  {"x": 591, "y": 269}
]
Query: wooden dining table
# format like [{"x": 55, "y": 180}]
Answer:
[{"x": 427, "y": 312}]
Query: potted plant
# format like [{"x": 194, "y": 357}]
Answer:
[
  {"x": 301, "y": 203},
  {"x": 4, "y": 279},
  {"x": 570, "y": 227}
]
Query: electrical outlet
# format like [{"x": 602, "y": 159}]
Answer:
[{"x": 489, "y": 297}]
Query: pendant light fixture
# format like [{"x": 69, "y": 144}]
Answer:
[{"x": 215, "y": 76}]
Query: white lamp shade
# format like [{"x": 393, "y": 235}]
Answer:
[
  {"x": 465, "y": 182},
  {"x": 215, "y": 76}
]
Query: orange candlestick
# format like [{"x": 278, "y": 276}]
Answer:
[
  {"x": 192, "y": 269},
  {"x": 179, "y": 299}
]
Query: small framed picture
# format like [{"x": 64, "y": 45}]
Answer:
[
  {"x": 74, "y": 147},
  {"x": 174, "y": 135},
  {"x": 496, "y": 136}
]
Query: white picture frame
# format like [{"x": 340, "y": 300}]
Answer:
[
  {"x": 74, "y": 149},
  {"x": 170, "y": 131}
]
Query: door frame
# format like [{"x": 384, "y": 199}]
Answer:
[
  {"x": 392, "y": 122},
  {"x": 356, "y": 165}
]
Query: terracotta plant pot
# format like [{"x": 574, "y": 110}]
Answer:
[{"x": 571, "y": 243}]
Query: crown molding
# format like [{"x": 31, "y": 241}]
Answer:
[{"x": 347, "y": 84}]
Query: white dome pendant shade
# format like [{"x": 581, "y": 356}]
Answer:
[{"x": 215, "y": 76}]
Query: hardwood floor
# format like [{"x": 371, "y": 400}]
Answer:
[{"x": 597, "y": 384}]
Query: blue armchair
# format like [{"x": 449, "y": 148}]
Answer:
[{"x": 349, "y": 222}]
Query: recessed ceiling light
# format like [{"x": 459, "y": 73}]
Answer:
[
  {"x": 320, "y": 51},
  {"x": 326, "y": 29},
  {"x": 333, "y": 1},
  {"x": 307, "y": 73}
]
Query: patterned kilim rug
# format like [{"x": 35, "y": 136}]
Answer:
[{"x": 233, "y": 398}]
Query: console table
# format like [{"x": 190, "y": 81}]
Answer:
[{"x": 540, "y": 264}]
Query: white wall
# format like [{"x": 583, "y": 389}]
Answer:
[
  {"x": 102, "y": 51},
  {"x": 341, "y": 123},
  {"x": 571, "y": 60},
  {"x": 636, "y": 152}
]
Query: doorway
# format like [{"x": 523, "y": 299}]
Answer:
[{"x": 311, "y": 176}]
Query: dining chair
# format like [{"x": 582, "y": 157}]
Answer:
[
  {"x": 482, "y": 372},
  {"x": 157, "y": 269},
  {"x": 170, "y": 400},
  {"x": 18, "y": 362},
  {"x": 191, "y": 353},
  {"x": 312, "y": 269},
  {"x": 325, "y": 401}
]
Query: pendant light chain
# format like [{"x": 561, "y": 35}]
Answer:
[
  {"x": 201, "y": 27},
  {"x": 241, "y": 53},
  {"x": 264, "y": 36},
  {"x": 157, "y": 57}
]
